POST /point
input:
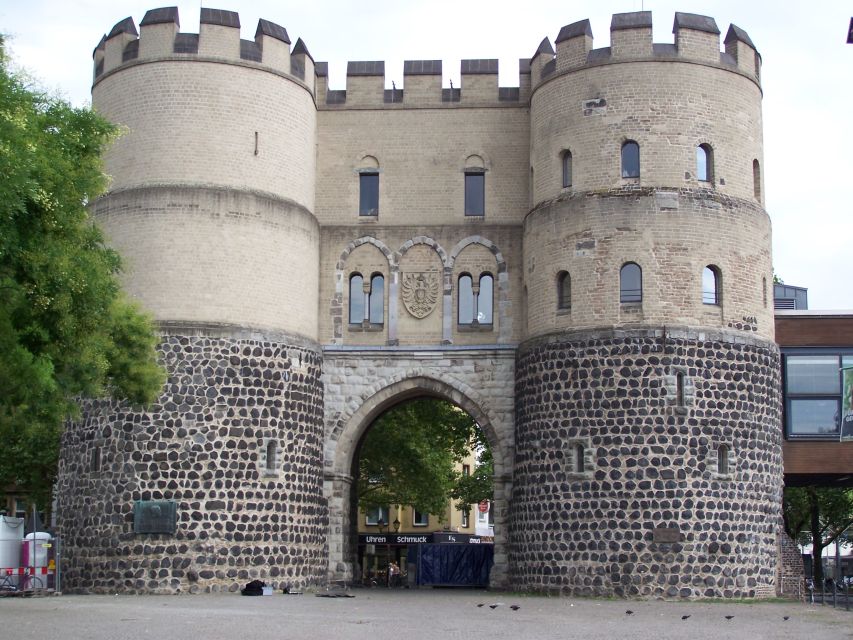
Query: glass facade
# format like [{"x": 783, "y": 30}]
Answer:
[{"x": 818, "y": 389}]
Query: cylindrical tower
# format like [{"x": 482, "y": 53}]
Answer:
[
  {"x": 211, "y": 205},
  {"x": 648, "y": 451}
]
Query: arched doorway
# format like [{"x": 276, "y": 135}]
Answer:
[{"x": 342, "y": 449}]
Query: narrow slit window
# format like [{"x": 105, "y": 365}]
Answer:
[
  {"x": 475, "y": 193},
  {"x": 756, "y": 179},
  {"x": 679, "y": 389},
  {"x": 272, "y": 452},
  {"x": 705, "y": 163},
  {"x": 567, "y": 168},
  {"x": 564, "y": 291},
  {"x": 580, "y": 464},
  {"x": 723, "y": 459}
]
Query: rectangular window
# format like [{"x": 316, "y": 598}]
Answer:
[
  {"x": 818, "y": 395},
  {"x": 419, "y": 519},
  {"x": 368, "y": 198},
  {"x": 376, "y": 515},
  {"x": 466, "y": 469},
  {"x": 466, "y": 518},
  {"x": 475, "y": 194}
]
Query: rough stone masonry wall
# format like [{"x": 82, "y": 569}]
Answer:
[
  {"x": 204, "y": 445},
  {"x": 650, "y": 516}
]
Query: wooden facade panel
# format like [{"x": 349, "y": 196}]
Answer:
[
  {"x": 818, "y": 457},
  {"x": 814, "y": 331}
]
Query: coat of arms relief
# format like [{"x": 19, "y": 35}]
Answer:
[{"x": 420, "y": 292}]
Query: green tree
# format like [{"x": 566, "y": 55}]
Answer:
[
  {"x": 410, "y": 454},
  {"x": 817, "y": 515},
  {"x": 65, "y": 329}
]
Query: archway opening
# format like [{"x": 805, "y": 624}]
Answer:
[{"x": 422, "y": 493}]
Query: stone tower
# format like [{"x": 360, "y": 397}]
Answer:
[{"x": 581, "y": 262}]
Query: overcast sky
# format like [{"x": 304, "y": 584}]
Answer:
[{"x": 807, "y": 78}]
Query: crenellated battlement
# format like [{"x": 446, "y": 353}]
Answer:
[
  {"x": 159, "y": 37},
  {"x": 696, "y": 39}
]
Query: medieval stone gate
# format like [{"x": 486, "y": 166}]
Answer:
[{"x": 361, "y": 384}]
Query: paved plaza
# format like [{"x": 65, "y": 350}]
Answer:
[{"x": 411, "y": 615}]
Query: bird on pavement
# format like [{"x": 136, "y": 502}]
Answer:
[
  {"x": 494, "y": 606},
  {"x": 481, "y": 604},
  {"x": 729, "y": 617},
  {"x": 685, "y": 617},
  {"x": 629, "y": 612},
  {"x": 514, "y": 607},
  {"x": 785, "y": 617}
]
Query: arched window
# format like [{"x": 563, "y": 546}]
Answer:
[
  {"x": 711, "y": 285},
  {"x": 630, "y": 283},
  {"x": 723, "y": 459},
  {"x": 630, "y": 159},
  {"x": 756, "y": 179},
  {"x": 564, "y": 290},
  {"x": 705, "y": 163},
  {"x": 368, "y": 187},
  {"x": 567, "y": 168},
  {"x": 580, "y": 466},
  {"x": 376, "y": 299},
  {"x": 484, "y": 298},
  {"x": 465, "y": 292},
  {"x": 272, "y": 452},
  {"x": 356, "y": 299}
]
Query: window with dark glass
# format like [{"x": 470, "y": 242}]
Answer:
[
  {"x": 756, "y": 179},
  {"x": 711, "y": 285},
  {"x": 705, "y": 163},
  {"x": 466, "y": 517},
  {"x": 564, "y": 290},
  {"x": 356, "y": 299},
  {"x": 723, "y": 459},
  {"x": 368, "y": 197},
  {"x": 376, "y": 299},
  {"x": 630, "y": 160},
  {"x": 818, "y": 395},
  {"x": 679, "y": 389},
  {"x": 630, "y": 283},
  {"x": 475, "y": 193},
  {"x": 567, "y": 168},
  {"x": 272, "y": 448},
  {"x": 580, "y": 465},
  {"x": 419, "y": 518}
]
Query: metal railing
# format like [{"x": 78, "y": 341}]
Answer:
[{"x": 837, "y": 595}]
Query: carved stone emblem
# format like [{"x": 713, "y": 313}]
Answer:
[{"x": 420, "y": 292}]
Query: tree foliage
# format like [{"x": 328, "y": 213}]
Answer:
[
  {"x": 817, "y": 515},
  {"x": 65, "y": 328},
  {"x": 410, "y": 455}
]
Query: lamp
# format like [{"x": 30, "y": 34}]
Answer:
[{"x": 396, "y": 525}]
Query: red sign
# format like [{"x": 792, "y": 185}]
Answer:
[{"x": 483, "y": 506}]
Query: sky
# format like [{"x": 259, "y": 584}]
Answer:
[{"x": 807, "y": 78}]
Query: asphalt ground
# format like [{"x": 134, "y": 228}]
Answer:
[{"x": 376, "y": 614}]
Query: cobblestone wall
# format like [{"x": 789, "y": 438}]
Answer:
[
  {"x": 205, "y": 445},
  {"x": 648, "y": 512}
]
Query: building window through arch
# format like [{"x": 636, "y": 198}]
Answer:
[
  {"x": 711, "y": 285},
  {"x": 564, "y": 291},
  {"x": 475, "y": 300},
  {"x": 366, "y": 300},
  {"x": 567, "y": 168},
  {"x": 705, "y": 163},
  {"x": 756, "y": 179},
  {"x": 723, "y": 459},
  {"x": 630, "y": 159},
  {"x": 630, "y": 283}
]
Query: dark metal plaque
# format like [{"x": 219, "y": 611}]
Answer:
[
  {"x": 155, "y": 516},
  {"x": 667, "y": 535}
]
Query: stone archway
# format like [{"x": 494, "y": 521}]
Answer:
[{"x": 345, "y": 433}]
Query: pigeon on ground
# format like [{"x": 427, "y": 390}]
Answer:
[
  {"x": 785, "y": 617},
  {"x": 494, "y": 606},
  {"x": 482, "y": 604},
  {"x": 514, "y": 607},
  {"x": 729, "y": 617},
  {"x": 685, "y": 617},
  {"x": 629, "y": 612}
]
